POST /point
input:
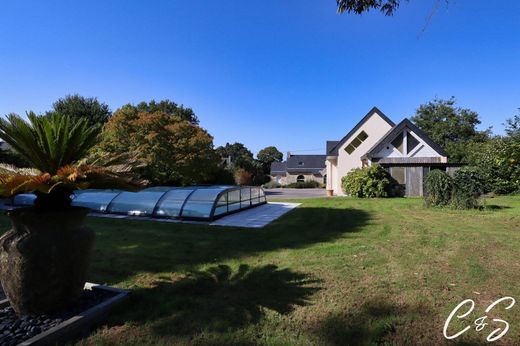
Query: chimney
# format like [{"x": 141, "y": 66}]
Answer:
[{"x": 288, "y": 155}]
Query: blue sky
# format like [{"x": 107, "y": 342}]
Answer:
[{"x": 289, "y": 73}]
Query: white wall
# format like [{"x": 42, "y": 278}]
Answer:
[{"x": 376, "y": 127}]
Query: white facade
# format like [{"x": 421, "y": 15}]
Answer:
[
  {"x": 371, "y": 141},
  {"x": 375, "y": 126}
]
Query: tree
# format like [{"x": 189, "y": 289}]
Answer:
[
  {"x": 451, "y": 127},
  {"x": 172, "y": 151},
  {"x": 167, "y": 107},
  {"x": 388, "y": 7},
  {"x": 237, "y": 152},
  {"x": 79, "y": 107},
  {"x": 267, "y": 156},
  {"x": 513, "y": 125}
]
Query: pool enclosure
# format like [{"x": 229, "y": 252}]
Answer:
[{"x": 191, "y": 203}]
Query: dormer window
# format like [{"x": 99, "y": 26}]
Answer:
[
  {"x": 300, "y": 163},
  {"x": 356, "y": 142}
]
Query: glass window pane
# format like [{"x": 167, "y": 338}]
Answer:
[
  {"x": 412, "y": 142},
  {"x": 398, "y": 142},
  {"x": 221, "y": 210},
  {"x": 233, "y": 196},
  {"x": 135, "y": 203},
  {"x": 245, "y": 194},
  {"x": 96, "y": 201},
  {"x": 24, "y": 199},
  {"x": 363, "y": 135},
  {"x": 171, "y": 203},
  {"x": 200, "y": 203},
  {"x": 398, "y": 174}
]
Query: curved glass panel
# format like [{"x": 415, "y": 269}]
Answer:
[
  {"x": 171, "y": 203},
  {"x": 135, "y": 203},
  {"x": 24, "y": 199},
  {"x": 200, "y": 203},
  {"x": 97, "y": 201},
  {"x": 158, "y": 188},
  {"x": 197, "y": 202},
  {"x": 222, "y": 205}
]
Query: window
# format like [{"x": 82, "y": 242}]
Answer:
[
  {"x": 300, "y": 179},
  {"x": 300, "y": 163},
  {"x": 398, "y": 173},
  {"x": 411, "y": 142},
  {"x": 398, "y": 143},
  {"x": 356, "y": 142}
]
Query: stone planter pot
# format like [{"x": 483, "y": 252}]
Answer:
[
  {"x": 330, "y": 193},
  {"x": 44, "y": 259}
]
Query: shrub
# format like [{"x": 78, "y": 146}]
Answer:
[
  {"x": 469, "y": 184},
  {"x": 304, "y": 185},
  {"x": 438, "y": 187},
  {"x": 243, "y": 177},
  {"x": 368, "y": 182}
]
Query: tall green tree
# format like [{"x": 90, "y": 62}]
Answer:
[
  {"x": 267, "y": 156},
  {"x": 79, "y": 107},
  {"x": 171, "y": 150},
  {"x": 453, "y": 128},
  {"x": 237, "y": 152},
  {"x": 387, "y": 7},
  {"x": 167, "y": 107},
  {"x": 513, "y": 125}
]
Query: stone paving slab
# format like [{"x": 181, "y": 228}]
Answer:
[{"x": 257, "y": 217}]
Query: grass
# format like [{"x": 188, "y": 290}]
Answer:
[{"x": 332, "y": 272}]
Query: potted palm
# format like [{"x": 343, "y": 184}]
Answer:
[{"x": 45, "y": 256}]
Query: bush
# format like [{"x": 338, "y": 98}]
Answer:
[
  {"x": 469, "y": 184},
  {"x": 272, "y": 185},
  {"x": 368, "y": 182},
  {"x": 438, "y": 188},
  {"x": 304, "y": 185},
  {"x": 243, "y": 177}
]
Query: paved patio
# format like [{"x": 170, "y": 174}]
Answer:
[
  {"x": 280, "y": 194},
  {"x": 256, "y": 217}
]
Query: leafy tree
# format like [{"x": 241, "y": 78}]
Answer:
[
  {"x": 172, "y": 151},
  {"x": 387, "y": 7},
  {"x": 513, "y": 126},
  {"x": 237, "y": 152},
  {"x": 451, "y": 127},
  {"x": 167, "y": 107},
  {"x": 267, "y": 156},
  {"x": 499, "y": 160},
  {"x": 79, "y": 107}
]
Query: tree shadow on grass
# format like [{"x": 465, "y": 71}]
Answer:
[
  {"x": 125, "y": 248},
  {"x": 218, "y": 299},
  {"x": 380, "y": 321}
]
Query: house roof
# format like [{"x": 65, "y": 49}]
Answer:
[
  {"x": 278, "y": 167},
  {"x": 300, "y": 164},
  {"x": 333, "y": 151},
  {"x": 395, "y": 131}
]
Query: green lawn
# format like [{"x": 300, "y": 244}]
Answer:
[{"x": 332, "y": 272}]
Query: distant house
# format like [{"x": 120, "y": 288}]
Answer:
[
  {"x": 404, "y": 150},
  {"x": 299, "y": 168}
]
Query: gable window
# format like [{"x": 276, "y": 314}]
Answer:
[
  {"x": 300, "y": 179},
  {"x": 411, "y": 142},
  {"x": 356, "y": 142},
  {"x": 398, "y": 143}
]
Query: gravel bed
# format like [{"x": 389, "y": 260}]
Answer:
[{"x": 16, "y": 329}]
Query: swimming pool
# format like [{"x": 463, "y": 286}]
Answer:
[{"x": 190, "y": 203}]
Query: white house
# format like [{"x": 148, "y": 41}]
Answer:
[{"x": 403, "y": 149}]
